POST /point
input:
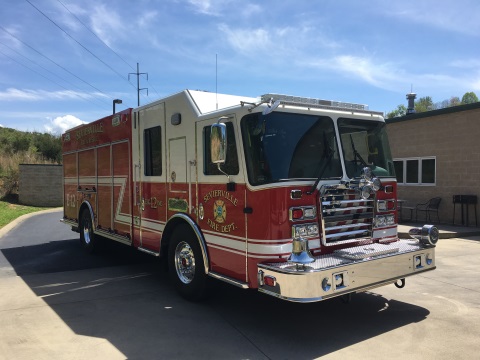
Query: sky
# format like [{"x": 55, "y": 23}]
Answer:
[{"x": 63, "y": 62}]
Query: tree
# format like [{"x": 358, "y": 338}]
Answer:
[
  {"x": 401, "y": 110},
  {"x": 469, "y": 98},
  {"x": 454, "y": 101},
  {"x": 424, "y": 104}
]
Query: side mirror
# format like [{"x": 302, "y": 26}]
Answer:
[{"x": 218, "y": 143}]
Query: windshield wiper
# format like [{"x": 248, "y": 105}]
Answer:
[
  {"x": 356, "y": 154},
  {"x": 328, "y": 153}
]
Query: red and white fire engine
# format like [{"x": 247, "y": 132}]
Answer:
[{"x": 293, "y": 196}]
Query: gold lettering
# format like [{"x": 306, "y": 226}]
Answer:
[
  {"x": 213, "y": 225},
  {"x": 220, "y": 193},
  {"x": 228, "y": 228},
  {"x": 89, "y": 130}
]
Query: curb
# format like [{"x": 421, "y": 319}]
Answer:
[{"x": 14, "y": 223}]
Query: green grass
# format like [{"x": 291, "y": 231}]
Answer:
[{"x": 9, "y": 211}]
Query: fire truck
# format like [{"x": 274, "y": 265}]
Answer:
[{"x": 293, "y": 196}]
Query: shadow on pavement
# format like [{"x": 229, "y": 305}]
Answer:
[
  {"x": 124, "y": 296},
  {"x": 67, "y": 255}
]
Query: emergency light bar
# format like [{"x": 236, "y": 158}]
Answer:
[{"x": 317, "y": 103}]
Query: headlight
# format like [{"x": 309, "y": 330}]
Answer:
[
  {"x": 384, "y": 220},
  {"x": 390, "y": 219},
  {"x": 305, "y": 230},
  {"x": 380, "y": 221}
]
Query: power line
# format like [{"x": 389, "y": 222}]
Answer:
[
  {"x": 104, "y": 43},
  {"x": 93, "y": 33},
  {"x": 60, "y": 66},
  {"x": 44, "y": 68},
  {"x": 33, "y": 70},
  {"x": 78, "y": 42}
]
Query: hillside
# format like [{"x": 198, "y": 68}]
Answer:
[{"x": 18, "y": 147}]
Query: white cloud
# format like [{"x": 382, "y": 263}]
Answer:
[
  {"x": 277, "y": 43},
  {"x": 466, "y": 64},
  {"x": 107, "y": 23},
  {"x": 450, "y": 16},
  {"x": 62, "y": 123},
  {"x": 206, "y": 7}
]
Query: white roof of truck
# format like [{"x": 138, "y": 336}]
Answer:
[{"x": 207, "y": 101}]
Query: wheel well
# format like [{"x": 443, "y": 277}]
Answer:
[{"x": 184, "y": 220}]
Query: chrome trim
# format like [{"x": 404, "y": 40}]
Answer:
[
  {"x": 228, "y": 280},
  {"x": 345, "y": 214},
  {"x": 120, "y": 238},
  {"x": 296, "y": 194},
  {"x": 313, "y": 207},
  {"x": 354, "y": 208},
  {"x": 347, "y": 233},
  {"x": 388, "y": 263},
  {"x": 386, "y": 202},
  {"x": 198, "y": 234}
]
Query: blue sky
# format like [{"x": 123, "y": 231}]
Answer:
[{"x": 62, "y": 62}]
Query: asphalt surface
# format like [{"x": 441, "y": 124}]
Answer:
[{"x": 57, "y": 302}]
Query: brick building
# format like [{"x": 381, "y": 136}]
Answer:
[{"x": 437, "y": 154}]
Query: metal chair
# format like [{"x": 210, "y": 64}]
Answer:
[{"x": 431, "y": 206}]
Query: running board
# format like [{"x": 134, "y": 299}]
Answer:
[
  {"x": 226, "y": 279},
  {"x": 149, "y": 252}
]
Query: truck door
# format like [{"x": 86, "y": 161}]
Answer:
[
  {"x": 220, "y": 209},
  {"x": 149, "y": 176}
]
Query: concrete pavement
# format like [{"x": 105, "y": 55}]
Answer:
[{"x": 59, "y": 303}]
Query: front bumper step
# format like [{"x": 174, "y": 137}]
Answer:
[{"x": 344, "y": 271}]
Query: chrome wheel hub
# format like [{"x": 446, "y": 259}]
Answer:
[
  {"x": 86, "y": 234},
  {"x": 184, "y": 262}
]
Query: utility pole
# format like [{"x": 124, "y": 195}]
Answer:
[{"x": 138, "y": 73}]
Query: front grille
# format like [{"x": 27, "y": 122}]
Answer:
[{"x": 345, "y": 216}]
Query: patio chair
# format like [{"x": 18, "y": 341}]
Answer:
[{"x": 431, "y": 206}]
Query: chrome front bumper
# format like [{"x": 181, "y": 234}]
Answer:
[{"x": 344, "y": 271}]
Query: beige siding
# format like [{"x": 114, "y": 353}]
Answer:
[{"x": 454, "y": 139}]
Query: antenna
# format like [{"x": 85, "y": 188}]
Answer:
[
  {"x": 216, "y": 79},
  {"x": 138, "y": 73}
]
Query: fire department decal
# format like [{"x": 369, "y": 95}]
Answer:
[
  {"x": 221, "y": 200},
  {"x": 219, "y": 211}
]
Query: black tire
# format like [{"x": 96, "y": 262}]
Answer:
[
  {"x": 185, "y": 264},
  {"x": 87, "y": 236}
]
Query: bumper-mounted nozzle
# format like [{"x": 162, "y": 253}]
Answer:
[{"x": 427, "y": 235}]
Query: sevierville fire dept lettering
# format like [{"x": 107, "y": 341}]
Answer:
[{"x": 219, "y": 222}]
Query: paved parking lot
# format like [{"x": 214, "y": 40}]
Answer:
[{"x": 60, "y": 303}]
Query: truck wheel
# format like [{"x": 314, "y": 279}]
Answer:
[
  {"x": 87, "y": 237},
  {"x": 185, "y": 264}
]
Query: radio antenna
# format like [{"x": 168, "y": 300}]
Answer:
[{"x": 216, "y": 79}]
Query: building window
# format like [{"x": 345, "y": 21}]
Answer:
[
  {"x": 153, "y": 151},
  {"x": 231, "y": 164},
  {"x": 416, "y": 171}
]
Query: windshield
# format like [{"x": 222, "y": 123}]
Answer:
[
  {"x": 365, "y": 143},
  {"x": 283, "y": 147}
]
